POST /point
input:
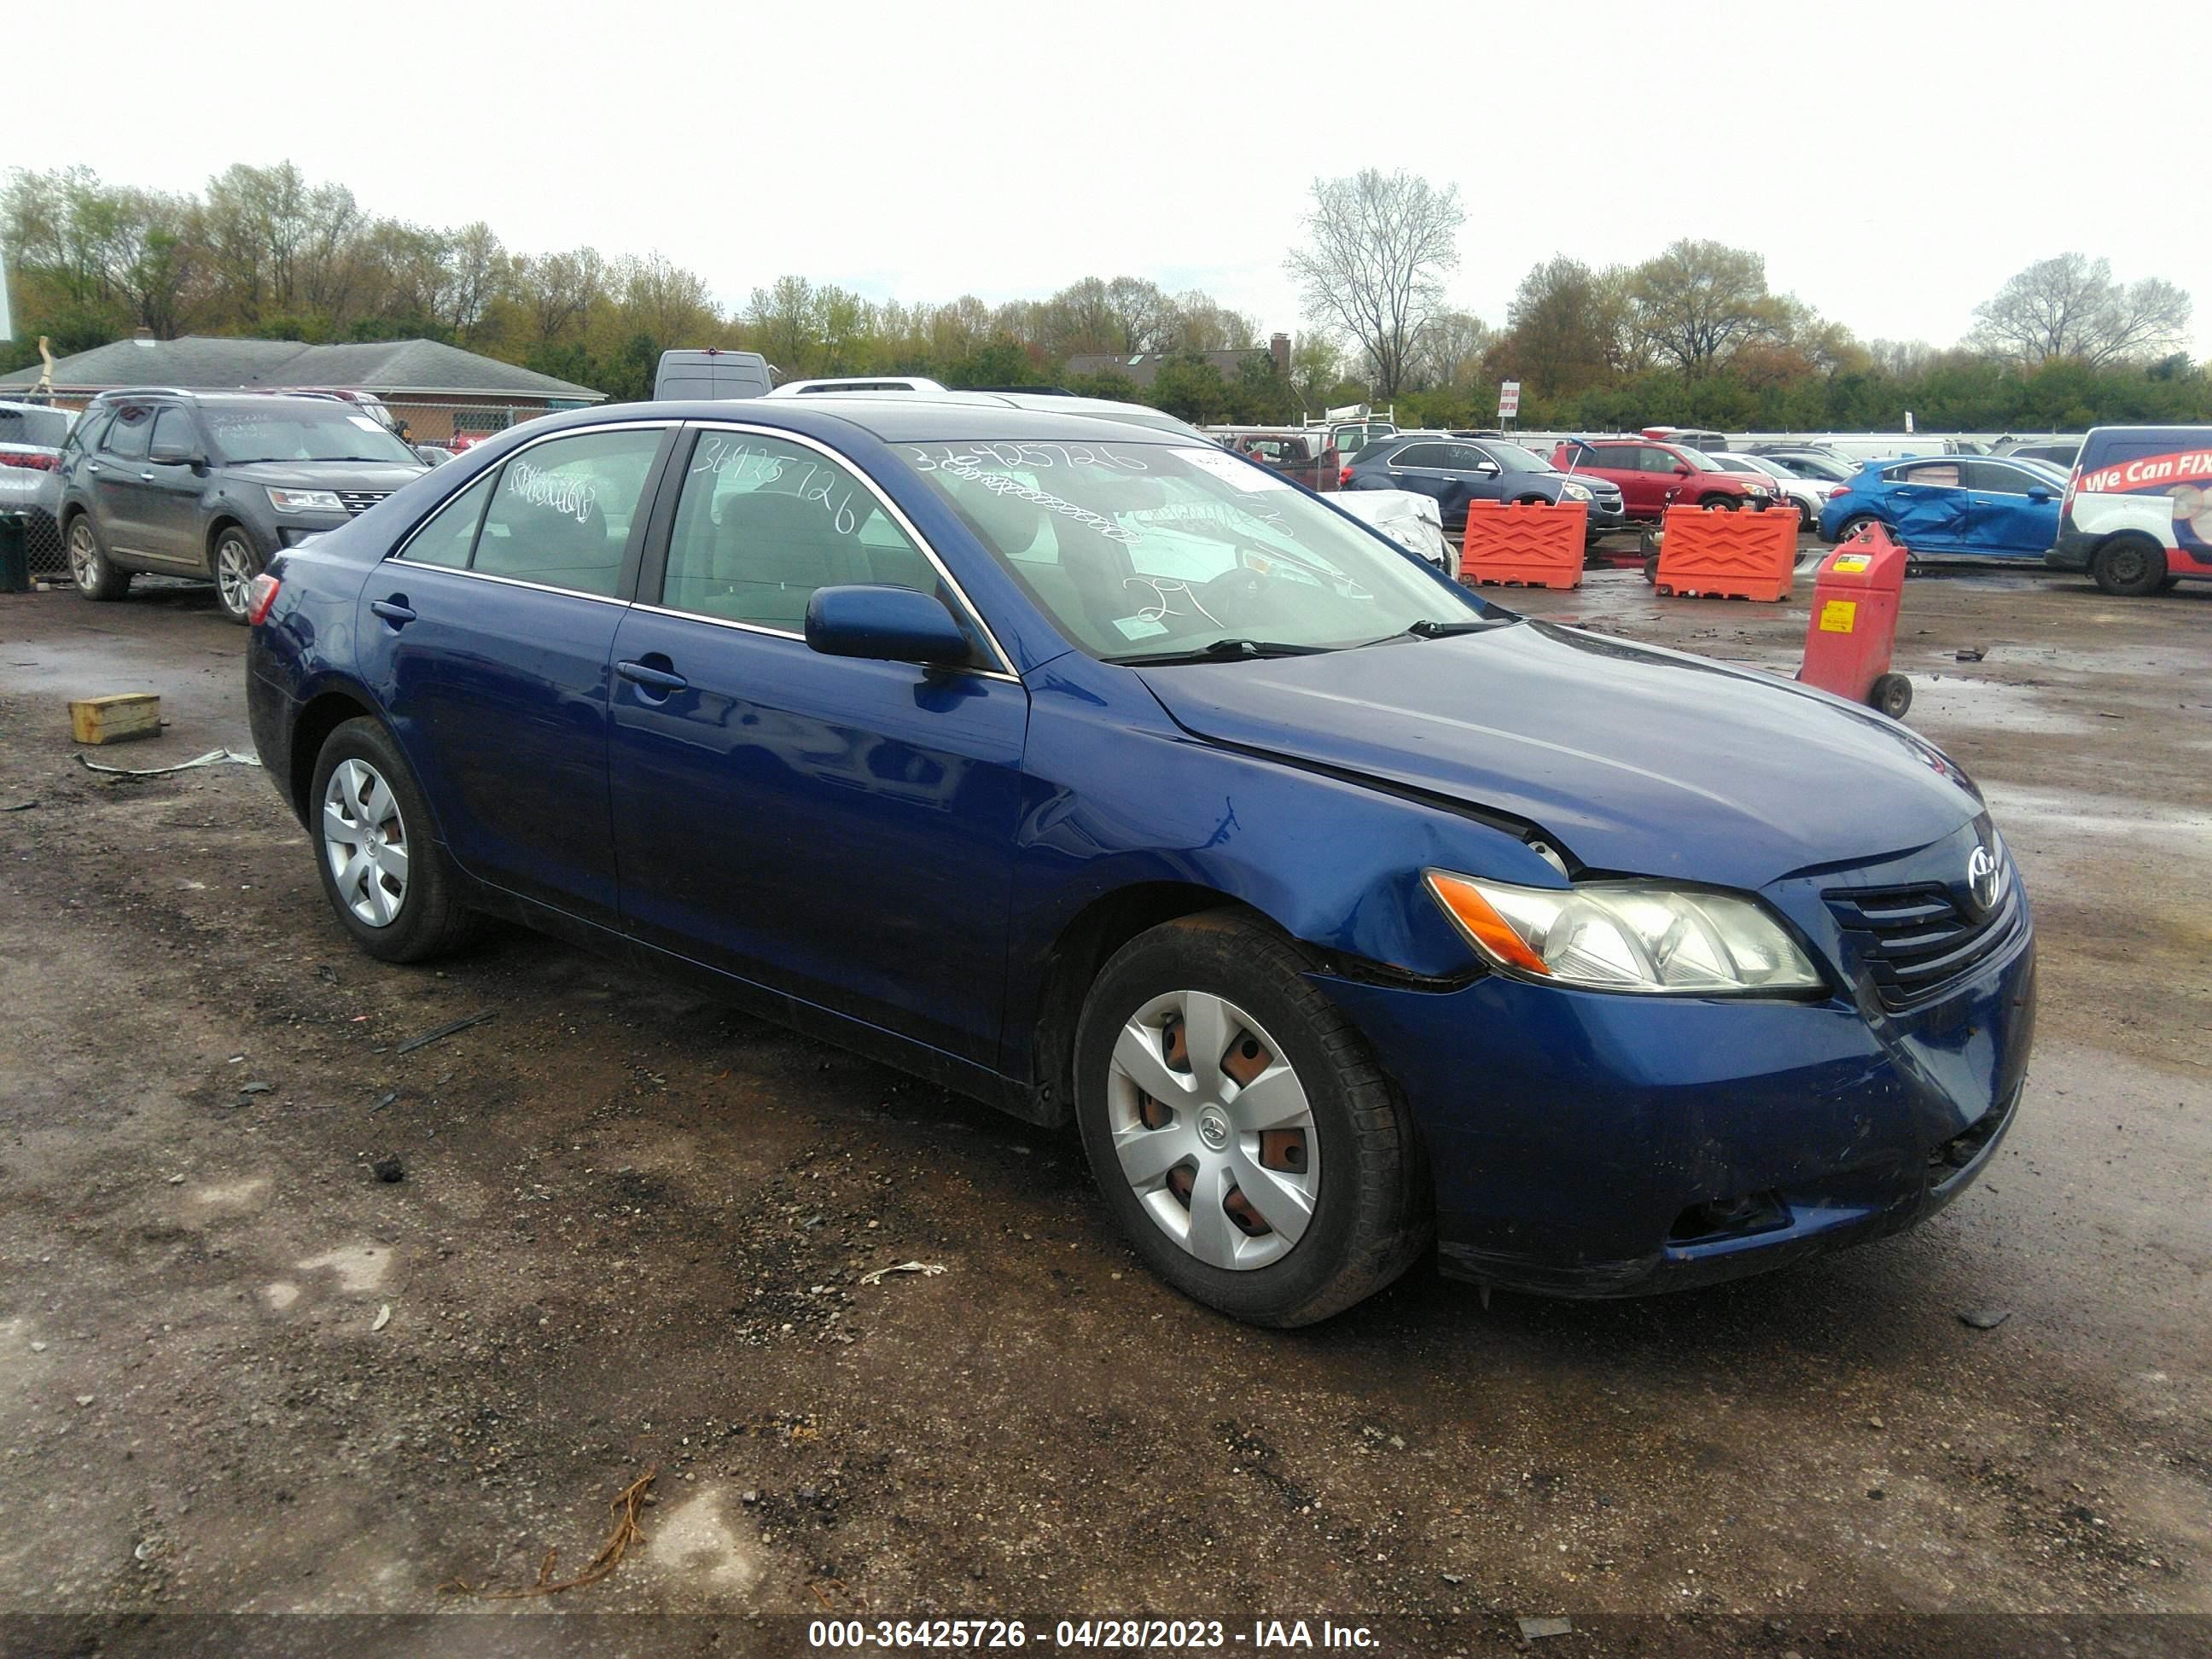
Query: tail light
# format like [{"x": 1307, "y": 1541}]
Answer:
[
  {"x": 33, "y": 461},
  {"x": 259, "y": 596},
  {"x": 2073, "y": 483},
  {"x": 1344, "y": 479}
]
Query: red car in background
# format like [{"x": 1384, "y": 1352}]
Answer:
[
  {"x": 1655, "y": 476},
  {"x": 1305, "y": 457}
]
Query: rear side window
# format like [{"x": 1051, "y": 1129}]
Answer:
[
  {"x": 90, "y": 430},
  {"x": 44, "y": 428},
  {"x": 1619, "y": 458},
  {"x": 1940, "y": 475},
  {"x": 562, "y": 511},
  {"x": 450, "y": 537},
  {"x": 1424, "y": 455}
]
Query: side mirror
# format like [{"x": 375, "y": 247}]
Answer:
[
  {"x": 174, "y": 454},
  {"x": 1488, "y": 469},
  {"x": 2038, "y": 492},
  {"x": 1683, "y": 470},
  {"x": 888, "y": 625}
]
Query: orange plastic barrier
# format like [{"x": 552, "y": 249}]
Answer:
[
  {"x": 1716, "y": 554},
  {"x": 1532, "y": 543}
]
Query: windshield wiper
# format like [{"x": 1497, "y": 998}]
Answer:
[
  {"x": 1428, "y": 628},
  {"x": 1226, "y": 650}
]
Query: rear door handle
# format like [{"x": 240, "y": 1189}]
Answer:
[
  {"x": 394, "y": 610},
  {"x": 653, "y": 679}
]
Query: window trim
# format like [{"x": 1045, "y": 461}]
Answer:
[
  {"x": 641, "y": 531},
  {"x": 1001, "y": 666}
]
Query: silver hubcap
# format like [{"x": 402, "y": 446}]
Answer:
[
  {"x": 233, "y": 574},
  {"x": 366, "y": 842},
  {"x": 1213, "y": 1130},
  {"x": 83, "y": 556}
]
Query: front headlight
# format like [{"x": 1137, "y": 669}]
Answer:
[
  {"x": 306, "y": 501},
  {"x": 1573, "y": 492},
  {"x": 1627, "y": 936}
]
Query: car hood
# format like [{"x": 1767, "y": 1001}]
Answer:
[
  {"x": 1634, "y": 760},
  {"x": 326, "y": 475}
]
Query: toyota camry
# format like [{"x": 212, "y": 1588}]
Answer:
[{"x": 1120, "y": 782}]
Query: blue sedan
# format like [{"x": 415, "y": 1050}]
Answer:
[
  {"x": 1114, "y": 780},
  {"x": 1960, "y": 506}
]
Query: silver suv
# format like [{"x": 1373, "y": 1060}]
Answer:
[{"x": 189, "y": 484}]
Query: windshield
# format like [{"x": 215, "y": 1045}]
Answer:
[
  {"x": 1703, "y": 462},
  {"x": 1514, "y": 458},
  {"x": 334, "y": 433},
  {"x": 1144, "y": 551},
  {"x": 2036, "y": 464}
]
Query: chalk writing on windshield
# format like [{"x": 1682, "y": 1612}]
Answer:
[
  {"x": 1033, "y": 457},
  {"x": 1000, "y": 484}
]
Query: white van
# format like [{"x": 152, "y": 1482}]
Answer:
[
  {"x": 2137, "y": 512},
  {"x": 711, "y": 375}
]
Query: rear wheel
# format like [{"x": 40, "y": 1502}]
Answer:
[
  {"x": 2129, "y": 568},
  {"x": 90, "y": 568},
  {"x": 1243, "y": 1135},
  {"x": 1857, "y": 522},
  {"x": 383, "y": 872}
]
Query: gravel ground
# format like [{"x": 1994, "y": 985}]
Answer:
[{"x": 242, "y": 1370}]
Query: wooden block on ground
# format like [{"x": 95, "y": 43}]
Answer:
[{"x": 112, "y": 719}]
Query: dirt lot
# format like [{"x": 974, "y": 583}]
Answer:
[{"x": 633, "y": 1229}]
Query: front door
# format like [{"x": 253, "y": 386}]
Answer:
[
  {"x": 169, "y": 501},
  {"x": 2003, "y": 518},
  {"x": 840, "y": 830},
  {"x": 492, "y": 631}
]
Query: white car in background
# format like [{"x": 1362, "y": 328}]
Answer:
[
  {"x": 1409, "y": 517},
  {"x": 1810, "y": 495}
]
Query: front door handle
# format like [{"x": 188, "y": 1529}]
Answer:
[
  {"x": 653, "y": 680},
  {"x": 394, "y": 610},
  {"x": 145, "y": 477}
]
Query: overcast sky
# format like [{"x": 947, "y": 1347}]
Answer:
[{"x": 1893, "y": 163}]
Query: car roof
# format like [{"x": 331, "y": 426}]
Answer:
[{"x": 903, "y": 417}]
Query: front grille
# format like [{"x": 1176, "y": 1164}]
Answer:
[
  {"x": 358, "y": 501},
  {"x": 1918, "y": 942}
]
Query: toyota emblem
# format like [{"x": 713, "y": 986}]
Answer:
[{"x": 1982, "y": 879}]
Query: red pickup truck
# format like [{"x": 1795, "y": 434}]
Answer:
[{"x": 1655, "y": 476}]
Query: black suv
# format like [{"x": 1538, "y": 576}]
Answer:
[
  {"x": 1457, "y": 471},
  {"x": 189, "y": 483}
]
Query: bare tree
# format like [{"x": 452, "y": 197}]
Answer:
[
  {"x": 2070, "y": 307},
  {"x": 1379, "y": 246},
  {"x": 1451, "y": 348}
]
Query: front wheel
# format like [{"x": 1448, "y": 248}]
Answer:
[
  {"x": 1726, "y": 504},
  {"x": 383, "y": 872},
  {"x": 236, "y": 562},
  {"x": 2130, "y": 569},
  {"x": 1246, "y": 1140},
  {"x": 90, "y": 568}
]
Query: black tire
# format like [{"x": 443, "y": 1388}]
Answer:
[
  {"x": 429, "y": 921},
  {"x": 235, "y": 560},
  {"x": 90, "y": 568},
  {"x": 2128, "y": 566},
  {"x": 1651, "y": 567},
  {"x": 1726, "y": 504},
  {"x": 1371, "y": 1216},
  {"x": 1891, "y": 693},
  {"x": 1808, "y": 520}
]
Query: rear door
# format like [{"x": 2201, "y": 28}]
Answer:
[
  {"x": 492, "y": 630},
  {"x": 1420, "y": 467},
  {"x": 119, "y": 476},
  {"x": 2004, "y": 517},
  {"x": 838, "y": 829},
  {"x": 1929, "y": 504}
]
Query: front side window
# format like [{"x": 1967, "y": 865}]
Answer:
[
  {"x": 1653, "y": 459},
  {"x": 562, "y": 511},
  {"x": 133, "y": 430},
  {"x": 1140, "y": 551},
  {"x": 762, "y": 522},
  {"x": 174, "y": 426}
]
